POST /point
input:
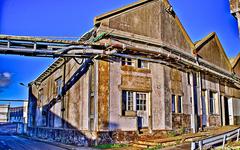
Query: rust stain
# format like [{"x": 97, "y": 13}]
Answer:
[
  {"x": 103, "y": 95},
  {"x": 134, "y": 69},
  {"x": 136, "y": 83},
  {"x": 176, "y": 81}
]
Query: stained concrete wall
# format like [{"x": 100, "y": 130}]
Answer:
[
  {"x": 235, "y": 111},
  {"x": 117, "y": 121},
  {"x": 73, "y": 109},
  {"x": 212, "y": 84}
]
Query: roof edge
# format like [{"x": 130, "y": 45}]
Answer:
[
  {"x": 214, "y": 35},
  {"x": 236, "y": 60},
  {"x": 97, "y": 19},
  {"x": 204, "y": 40}
]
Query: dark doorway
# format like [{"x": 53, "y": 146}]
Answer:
[
  {"x": 195, "y": 99},
  {"x": 226, "y": 111},
  {"x": 204, "y": 110},
  {"x": 221, "y": 110}
]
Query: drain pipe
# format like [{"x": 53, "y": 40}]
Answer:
[{"x": 78, "y": 51}]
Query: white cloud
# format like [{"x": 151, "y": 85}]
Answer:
[
  {"x": 5, "y": 79},
  {"x": 7, "y": 75}
]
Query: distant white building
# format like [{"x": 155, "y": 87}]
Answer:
[
  {"x": 18, "y": 114},
  {"x": 4, "y": 113}
]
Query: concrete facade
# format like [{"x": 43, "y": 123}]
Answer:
[{"x": 155, "y": 84}]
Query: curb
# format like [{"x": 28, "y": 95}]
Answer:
[{"x": 61, "y": 145}]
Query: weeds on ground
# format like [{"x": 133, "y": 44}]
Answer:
[
  {"x": 159, "y": 146},
  {"x": 111, "y": 146},
  {"x": 172, "y": 133}
]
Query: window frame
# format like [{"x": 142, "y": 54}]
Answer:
[
  {"x": 127, "y": 61},
  {"x": 173, "y": 103},
  {"x": 212, "y": 103},
  {"x": 135, "y": 96},
  {"x": 140, "y": 64},
  {"x": 141, "y": 101},
  {"x": 189, "y": 78},
  {"x": 177, "y": 104}
]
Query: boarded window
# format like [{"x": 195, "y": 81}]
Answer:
[
  {"x": 212, "y": 103},
  {"x": 41, "y": 96},
  {"x": 59, "y": 86}
]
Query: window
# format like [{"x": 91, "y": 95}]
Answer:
[
  {"x": 129, "y": 100},
  {"x": 40, "y": 95},
  {"x": 173, "y": 103},
  {"x": 212, "y": 103},
  {"x": 142, "y": 64},
  {"x": 127, "y": 62},
  {"x": 188, "y": 78},
  {"x": 134, "y": 101},
  {"x": 177, "y": 104},
  {"x": 59, "y": 86},
  {"x": 141, "y": 101}
]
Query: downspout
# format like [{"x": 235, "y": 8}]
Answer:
[{"x": 63, "y": 97}]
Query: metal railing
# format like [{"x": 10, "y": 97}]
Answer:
[{"x": 216, "y": 140}]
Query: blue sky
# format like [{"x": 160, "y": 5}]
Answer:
[{"x": 74, "y": 17}]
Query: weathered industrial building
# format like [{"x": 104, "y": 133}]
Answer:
[
  {"x": 154, "y": 78},
  {"x": 18, "y": 114}
]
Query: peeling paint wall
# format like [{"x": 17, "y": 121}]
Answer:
[
  {"x": 103, "y": 95},
  {"x": 71, "y": 111}
]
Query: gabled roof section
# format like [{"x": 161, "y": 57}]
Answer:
[
  {"x": 234, "y": 63},
  {"x": 187, "y": 37},
  {"x": 139, "y": 3},
  {"x": 199, "y": 45},
  {"x": 203, "y": 41},
  {"x": 120, "y": 10}
]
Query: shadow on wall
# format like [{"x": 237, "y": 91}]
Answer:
[{"x": 54, "y": 128}]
